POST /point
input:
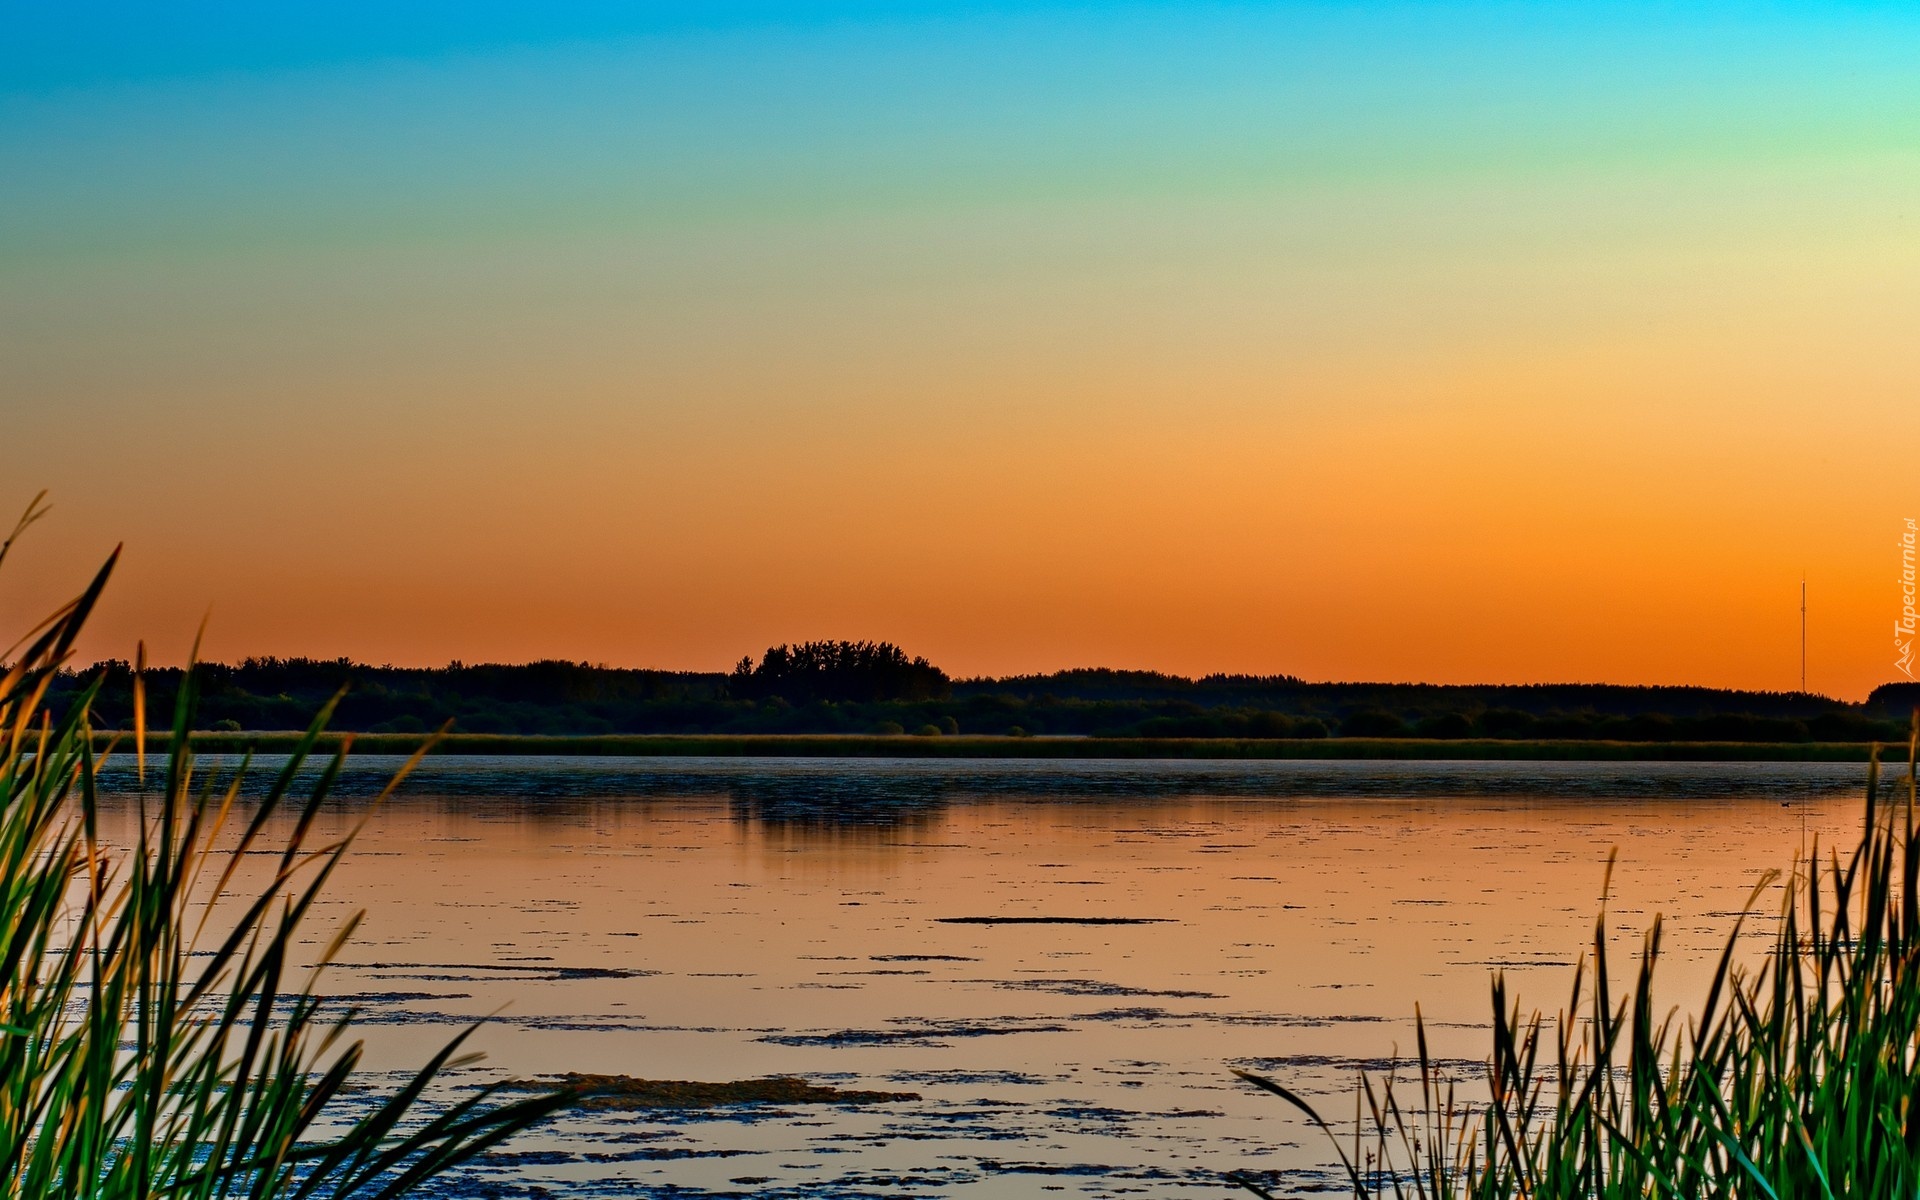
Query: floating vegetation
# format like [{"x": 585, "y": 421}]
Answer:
[
  {"x": 1055, "y": 920},
  {"x": 1094, "y": 987},
  {"x": 918, "y": 1033},
  {"x": 627, "y": 1092},
  {"x": 475, "y": 972},
  {"x": 963, "y": 1076}
]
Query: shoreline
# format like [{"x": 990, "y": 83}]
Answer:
[{"x": 1037, "y": 747}]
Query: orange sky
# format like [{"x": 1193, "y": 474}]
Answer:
[
  {"x": 1410, "y": 361},
  {"x": 1470, "y": 535}
]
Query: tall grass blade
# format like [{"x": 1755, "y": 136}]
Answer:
[
  {"x": 1798, "y": 1076},
  {"x": 156, "y": 1040}
]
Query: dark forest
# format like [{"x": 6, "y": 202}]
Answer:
[{"x": 875, "y": 687}]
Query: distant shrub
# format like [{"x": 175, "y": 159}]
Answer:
[
  {"x": 1507, "y": 723},
  {"x": 1193, "y": 726},
  {"x": 889, "y": 728},
  {"x": 486, "y": 721},
  {"x": 1850, "y": 727},
  {"x": 1269, "y": 725},
  {"x": 1647, "y": 727},
  {"x": 1444, "y": 725},
  {"x": 1373, "y": 722},
  {"x": 1744, "y": 727},
  {"x": 927, "y": 731},
  {"x": 949, "y": 726},
  {"x": 226, "y": 725}
]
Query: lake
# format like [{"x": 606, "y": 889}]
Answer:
[{"x": 849, "y": 921}]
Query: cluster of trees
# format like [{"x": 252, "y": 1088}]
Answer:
[
  {"x": 838, "y": 673},
  {"x": 869, "y": 687}
]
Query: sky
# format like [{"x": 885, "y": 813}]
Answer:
[{"x": 1449, "y": 342}]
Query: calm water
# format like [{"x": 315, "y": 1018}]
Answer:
[{"x": 725, "y": 919}]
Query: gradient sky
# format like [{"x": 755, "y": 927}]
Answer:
[{"x": 1457, "y": 342}]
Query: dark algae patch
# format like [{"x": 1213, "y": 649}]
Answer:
[
  {"x": 474, "y": 972},
  {"x": 917, "y": 1033},
  {"x": 1054, "y": 920},
  {"x": 1094, "y": 987},
  {"x": 627, "y": 1092}
]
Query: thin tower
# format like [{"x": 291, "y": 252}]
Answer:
[{"x": 1803, "y": 632}]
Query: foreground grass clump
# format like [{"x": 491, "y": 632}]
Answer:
[
  {"x": 152, "y": 1040},
  {"x": 1798, "y": 1077}
]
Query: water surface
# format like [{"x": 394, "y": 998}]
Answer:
[{"x": 848, "y": 921}]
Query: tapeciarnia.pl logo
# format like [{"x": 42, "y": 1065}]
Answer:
[{"x": 1903, "y": 628}]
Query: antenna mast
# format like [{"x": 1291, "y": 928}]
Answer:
[{"x": 1803, "y": 632}]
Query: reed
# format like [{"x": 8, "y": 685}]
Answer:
[
  {"x": 1797, "y": 1076},
  {"x": 159, "y": 1036}
]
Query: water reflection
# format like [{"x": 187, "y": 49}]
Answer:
[
  {"x": 850, "y": 788},
  {"x": 803, "y": 814},
  {"x": 724, "y": 919}
]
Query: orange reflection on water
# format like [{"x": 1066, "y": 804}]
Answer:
[{"x": 745, "y": 932}]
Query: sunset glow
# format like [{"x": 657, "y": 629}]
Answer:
[{"x": 1457, "y": 343}]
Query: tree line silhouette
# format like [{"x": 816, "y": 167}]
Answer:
[{"x": 868, "y": 687}]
